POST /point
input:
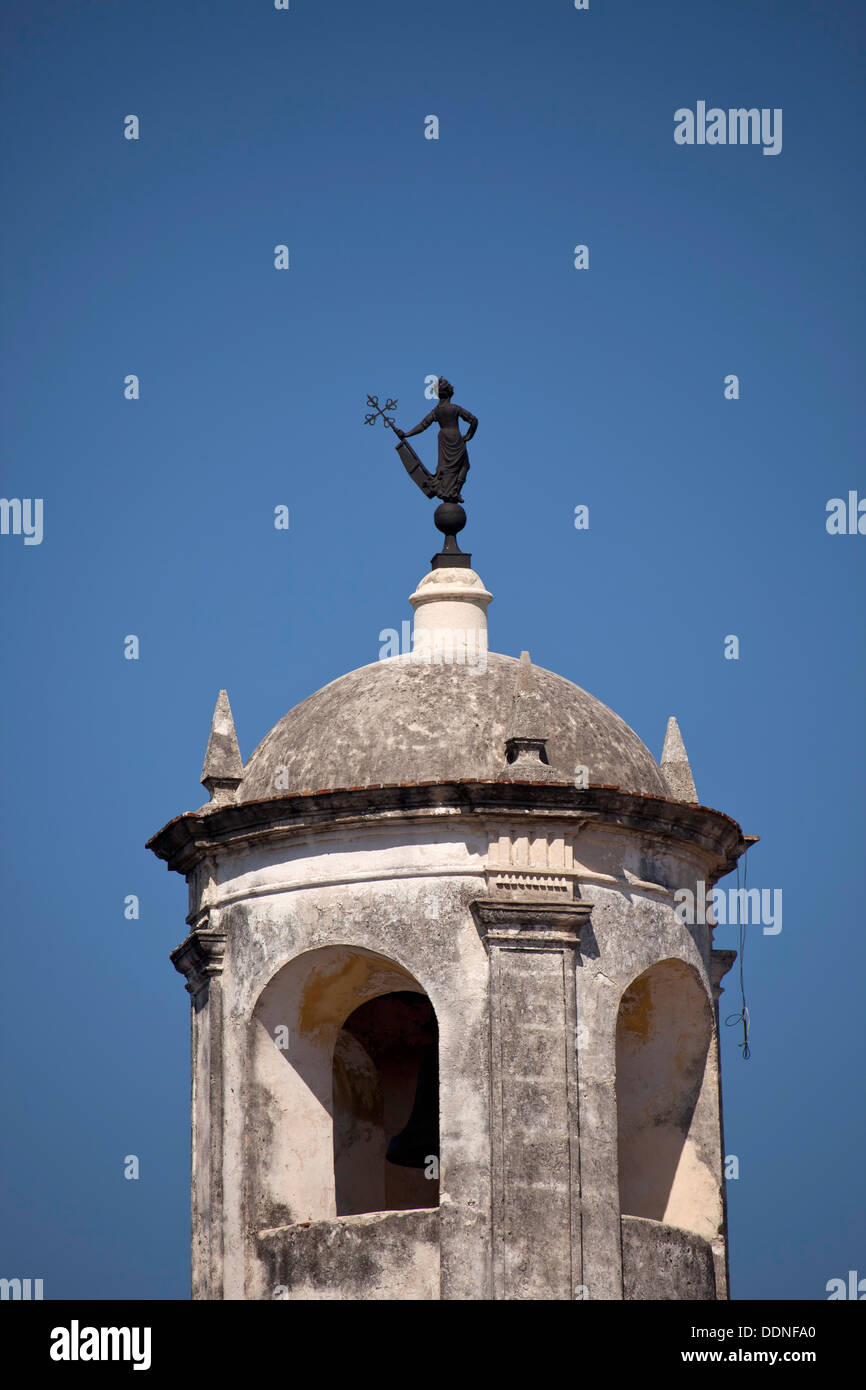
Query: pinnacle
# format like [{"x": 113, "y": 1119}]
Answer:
[
  {"x": 223, "y": 769},
  {"x": 675, "y": 765}
]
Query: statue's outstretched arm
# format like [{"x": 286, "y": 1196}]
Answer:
[
  {"x": 470, "y": 420},
  {"x": 424, "y": 425}
]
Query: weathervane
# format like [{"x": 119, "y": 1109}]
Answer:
[
  {"x": 453, "y": 465},
  {"x": 379, "y": 411}
]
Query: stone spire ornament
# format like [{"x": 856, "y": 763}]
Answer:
[
  {"x": 223, "y": 769},
  {"x": 675, "y": 765},
  {"x": 452, "y": 466}
]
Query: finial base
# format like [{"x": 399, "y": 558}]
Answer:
[{"x": 451, "y": 560}]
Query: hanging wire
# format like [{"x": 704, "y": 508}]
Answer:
[{"x": 743, "y": 1016}]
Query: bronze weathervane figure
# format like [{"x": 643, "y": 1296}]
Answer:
[{"x": 453, "y": 465}]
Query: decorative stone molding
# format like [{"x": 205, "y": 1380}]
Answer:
[
  {"x": 452, "y": 586},
  {"x": 540, "y": 861},
  {"x": 187, "y": 839},
  {"x": 530, "y": 926},
  {"x": 200, "y": 956}
]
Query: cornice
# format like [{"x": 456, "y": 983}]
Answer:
[
  {"x": 189, "y": 838},
  {"x": 516, "y": 925}
]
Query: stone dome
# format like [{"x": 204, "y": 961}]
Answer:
[{"x": 402, "y": 721}]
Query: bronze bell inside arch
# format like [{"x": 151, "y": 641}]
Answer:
[{"x": 418, "y": 1141}]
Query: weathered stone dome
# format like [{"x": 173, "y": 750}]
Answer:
[{"x": 397, "y": 721}]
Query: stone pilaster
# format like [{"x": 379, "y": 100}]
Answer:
[
  {"x": 534, "y": 1131},
  {"x": 200, "y": 958}
]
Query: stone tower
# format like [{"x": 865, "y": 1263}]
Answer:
[{"x": 452, "y": 864}]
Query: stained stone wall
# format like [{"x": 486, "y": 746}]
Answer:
[{"x": 525, "y": 932}]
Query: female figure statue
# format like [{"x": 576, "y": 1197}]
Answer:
[{"x": 453, "y": 463}]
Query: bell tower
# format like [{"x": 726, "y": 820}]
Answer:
[{"x": 449, "y": 1038}]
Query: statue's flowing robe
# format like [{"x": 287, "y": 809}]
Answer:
[{"x": 453, "y": 462}]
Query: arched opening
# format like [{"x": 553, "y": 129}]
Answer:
[
  {"x": 663, "y": 1035},
  {"x": 336, "y": 1044},
  {"x": 386, "y": 1106}
]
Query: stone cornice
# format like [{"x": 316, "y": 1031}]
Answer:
[
  {"x": 187, "y": 839},
  {"x": 530, "y": 925}
]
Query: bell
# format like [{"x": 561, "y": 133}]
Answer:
[{"x": 415, "y": 1145}]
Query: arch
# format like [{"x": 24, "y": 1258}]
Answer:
[
  {"x": 294, "y": 1030},
  {"x": 664, "y": 1099},
  {"x": 386, "y": 1106}
]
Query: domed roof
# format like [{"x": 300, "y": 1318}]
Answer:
[{"x": 401, "y": 721}]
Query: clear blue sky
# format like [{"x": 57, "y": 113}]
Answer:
[{"x": 411, "y": 257}]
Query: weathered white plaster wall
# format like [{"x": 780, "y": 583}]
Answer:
[{"x": 303, "y": 913}]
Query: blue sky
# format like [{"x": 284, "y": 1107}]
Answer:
[{"x": 603, "y": 387}]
